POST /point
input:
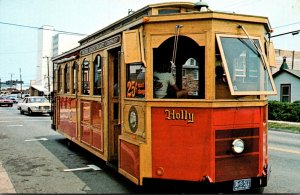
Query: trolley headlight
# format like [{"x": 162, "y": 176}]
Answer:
[{"x": 238, "y": 146}]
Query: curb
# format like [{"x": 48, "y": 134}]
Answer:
[{"x": 284, "y": 130}]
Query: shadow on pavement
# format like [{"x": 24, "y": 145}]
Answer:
[{"x": 73, "y": 156}]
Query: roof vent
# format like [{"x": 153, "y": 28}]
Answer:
[{"x": 201, "y": 6}]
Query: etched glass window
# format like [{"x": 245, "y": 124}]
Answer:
[{"x": 85, "y": 78}]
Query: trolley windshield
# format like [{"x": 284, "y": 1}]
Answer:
[{"x": 245, "y": 66}]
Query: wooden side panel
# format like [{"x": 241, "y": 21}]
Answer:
[
  {"x": 230, "y": 116},
  {"x": 67, "y": 116},
  {"x": 91, "y": 124},
  {"x": 132, "y": 48},
  {"x": 96, "y": 125},
  {"x": 181, "y": 143},
  {"x": 236, "y": 168},
  {"x": 130, "y": 158},
  {"x": 85, "y": 122}
]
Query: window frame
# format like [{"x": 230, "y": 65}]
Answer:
[
  {"x": 287, "y": 85},
  {"x": 74, "y": 78},
  {"x": 66, "y": 79},
  {"x": 60, "y": 76},
  {"x": 83, "y": 81},
  {"x": 132, "y": 86},
  {"x": 95, "y": 68},
  {"x": 263, "y": 58}
]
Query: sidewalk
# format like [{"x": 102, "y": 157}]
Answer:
[{"x": 5, "y": 183}]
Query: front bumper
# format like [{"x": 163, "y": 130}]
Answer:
[
  {"x": 41, "y": 111},
  {"x": 205, "y": 185},
  {"x": 256, "y": 182}
]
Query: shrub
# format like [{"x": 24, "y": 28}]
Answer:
[{"x": 284, "y": 111}]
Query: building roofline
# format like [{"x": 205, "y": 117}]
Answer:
[{"x": 295, "y": 73}]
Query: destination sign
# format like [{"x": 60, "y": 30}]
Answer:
[{"x": 101, "y": 45}]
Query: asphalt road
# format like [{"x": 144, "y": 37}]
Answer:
[
  {"x": 36, "y": 165},
  {"x": 33, "y": 159},
  {"x": 284, "y": 150}
]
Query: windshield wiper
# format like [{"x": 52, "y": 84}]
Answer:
[{"x": 256, "y": 47}]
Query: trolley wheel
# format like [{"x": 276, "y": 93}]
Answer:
[{"x": 21, "y": 111}]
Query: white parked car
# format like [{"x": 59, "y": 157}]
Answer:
[{"x": 34, "y": 104}]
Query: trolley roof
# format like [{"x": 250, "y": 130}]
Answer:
[{"x": 150, "y": 14}]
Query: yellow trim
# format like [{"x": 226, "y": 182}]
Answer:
[{"x": 128, "y": 176}]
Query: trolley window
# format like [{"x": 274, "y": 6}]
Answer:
[
  {"x": 245, "y": 65},
  {"x": 67, "y": 79},
  {"x": 74, "y": 78},
  {"x": 59, "y": 79},
  {"x": 135, "y": 80},
  {"x": 97, "y": 75},
  {"x": 85, "y": 77}
]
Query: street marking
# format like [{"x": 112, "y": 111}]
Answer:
[
  {"x": 5, "y": 184},
  {"x": 284, "y": 150},
  {"x": 14, "y": 125},
  {"x": 23, "y": 117},
  {"x": 93, "y": 167},
  {"x": 39, "y": 139},
  {"x": 24, "y": 121}
]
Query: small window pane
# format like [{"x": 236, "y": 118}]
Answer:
[
  {"x": 59, "y": 79},
  {"x": 168, "y": 11},
  {"x": 74, "y": 69},
  {"x": 285, "y": 90},
  {"x": 97, "y": 75},
  {"x": 67, "y": 79},
  {"x": 85, "y": 78},
  {"x": 191, "y": 76},
  {"x": 135, "y": 81},
  {"x": 285, "y": 93}
]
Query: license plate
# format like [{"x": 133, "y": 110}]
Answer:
[{"x": 242, "y": 184}]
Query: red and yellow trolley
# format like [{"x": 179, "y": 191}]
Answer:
[{"x": 105, "y": 96}]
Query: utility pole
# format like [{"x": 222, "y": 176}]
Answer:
[
  {"x": 11, "y": 83},
  {"x": 48, "y": 76},
  {"x": 21, "y": 83}
]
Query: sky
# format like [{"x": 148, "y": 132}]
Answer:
[{"x": 18, "y": 45}]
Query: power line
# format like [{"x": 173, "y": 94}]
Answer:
[
  {"x": 286, "y": 25},
  {"x": 241, "y": 3},
  {"x": 295, "y": 32},
  {"x": 23, "y": 52},
  {"x": 41, "y": 28}
]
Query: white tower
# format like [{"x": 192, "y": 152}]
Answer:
[{"x": 44, "y": 50}]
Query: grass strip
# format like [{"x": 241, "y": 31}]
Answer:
[{"x": 283, "y": 126}]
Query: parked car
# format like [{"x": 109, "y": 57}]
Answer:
[
  {"x": 5, "y": 101},
  {"x": 13, "y": 97},
  {"x": 34, "y": 104}
]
